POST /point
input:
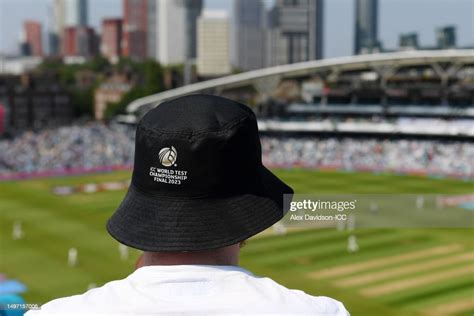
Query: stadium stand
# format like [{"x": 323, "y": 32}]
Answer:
[
  {"x": 82, "y": 148},
  {"x": 100, "y": 147},
  {"x": 398, "y": 155},
  {"x": 403, "y": 125}
]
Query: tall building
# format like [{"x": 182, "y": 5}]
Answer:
[
  {"x": 296, "y": 31},
  {"x": 111, "y": 39},
  {"x": 152, "y": 31},
  {"x": 69, "y": 42},
  {"x": 366, "y": 27},
  {"x": 176, "y": 28},
  {"x": 66, "y": 13},
  {"x": 88, "y": 41},
  {"x": 75, "y": 13},
  {"x": 135, "y": 27},
  {"x": 213, "y": 58},
  {"x": 249, "y": 34},
  {"x": 446, "y": 37},
  {"x": 275, "y": 46},
  {"x": 33, "y": 37},
  {"x": 408, "y": 41},
  {"x": 161, "y": 29},
  {"x": 79, "y": 41},
  {"x": 171, "y": 28},
  {"x": 193, "y": 11},
  {"x": 57, "y": 27},
  {"x": 23, "y": 45}
]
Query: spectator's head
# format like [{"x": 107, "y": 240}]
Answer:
[{"x": 198, "y": 187}]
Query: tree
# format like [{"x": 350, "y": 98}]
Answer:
[
  {"x": 149, "y": 74},
  {"x": 150, "y": 81},
  {"x": 152, "y": 76},
  {"x": 83, "y": 101},
  {"x": 120, "y": 107},
  {"x": 98, "y": 64}
]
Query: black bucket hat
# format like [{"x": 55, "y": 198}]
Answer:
[{"x": 198, "y": 181}]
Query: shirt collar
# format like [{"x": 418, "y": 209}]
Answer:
[{"x": 169, "y": 270}]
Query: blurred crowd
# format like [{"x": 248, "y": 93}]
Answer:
[
  {"x": 92, "y": 145},
  {"x": 424, "y": 156},
  {"x": 78, "y": 146}
]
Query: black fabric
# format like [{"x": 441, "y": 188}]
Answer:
[{"x": 198, "y": 181}]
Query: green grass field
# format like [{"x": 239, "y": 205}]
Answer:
[{"x": 395, "y": 272}]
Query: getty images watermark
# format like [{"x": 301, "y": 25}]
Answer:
[
  {"x": 380, "y": 210},
  {"x": 320, "y": 210},
  {"x": 18, "y": 307}
]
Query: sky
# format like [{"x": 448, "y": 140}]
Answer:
[{"x": 395, "y": 17}]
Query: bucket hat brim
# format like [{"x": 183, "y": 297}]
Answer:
[{"x": 164, "y": 224}]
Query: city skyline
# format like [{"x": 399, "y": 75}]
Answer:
[{"x": 338, "y": 41}]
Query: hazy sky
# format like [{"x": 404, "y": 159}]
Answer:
[{"x": 396, "y": 16}]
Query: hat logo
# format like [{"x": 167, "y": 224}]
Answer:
[{"x": 168, "y": 156}]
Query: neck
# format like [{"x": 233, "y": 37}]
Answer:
[{"x": 222, "y": 256}]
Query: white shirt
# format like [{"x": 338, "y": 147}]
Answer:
[{"x": 192, "y": 290}]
